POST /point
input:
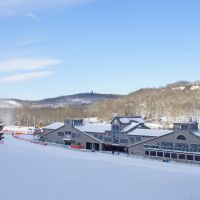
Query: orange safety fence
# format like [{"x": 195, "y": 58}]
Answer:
[{"x": 77, "y": 147}]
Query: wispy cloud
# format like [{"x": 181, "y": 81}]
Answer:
[
  {"x": 32, "y": 16},
  {"x": 34, "y": 5},
  {"x": 25, "y": 76},
  {"x": 28, "y": 64},
  {"x": 27, "y": 42}
]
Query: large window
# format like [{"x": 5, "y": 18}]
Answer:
[
  {"x": 101, "y": 137},
  {"x": 138, "y": 138},
  {"x": 182, "y": 156},
  {"x": 147, "y": 153},
  {"x": 189, "y": 157},
  {"x": 60, "y": 134},
  {"x": 167, "y": 145},
  {"x": 78, "y": 135},
  {"x": 160, "y": 154},
  {"x": 167, "y": 155},
  {"x": 181, "y": 137},
  {"x": 197, "y": 158},
  {"x": 184, "y": 127},
  {"x": 73, "y": 135},
  {"x": 181, "y": 146},
  {"x": 115, "y": 127},
  {"x": 195, "y": 147},
  {"x": 153, "y": 153},
  {"x": 67, "y": 132},
  {"x": 124, "y": 141},
  {"x": 174, "y": 155},
  {"x": 194, "y": 127},
  {"x": 107, "y": 139}
]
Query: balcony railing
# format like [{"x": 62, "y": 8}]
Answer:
[{"x": 171, "y": 149}]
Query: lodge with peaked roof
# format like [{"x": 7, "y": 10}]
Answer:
[
  {"x": 115, "y": 136},
  {"x": 131, "y": 135},
  {"x": 182, "y": 144}
]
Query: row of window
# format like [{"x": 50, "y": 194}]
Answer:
[
  {"x": 172, "y": 155},
  {"x": 186, "y": 127},
  {"x": 62, "y": 134},
  {"x": 124, "y": 141},
  {"x": 100, "y": 137},
  {"x": 76, "y": 135},
  {"x": 178, "y": 146}
]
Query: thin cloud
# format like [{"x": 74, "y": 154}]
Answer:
[
  {"x": 32, "y": 16},
  {"x": 34, "y": 5},
  {"x": 25, "y": 76},
  {"x": 30, "y": 41},
  {"x": 28, "y": 64}
]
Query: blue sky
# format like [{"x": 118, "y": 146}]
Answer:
[{"x": 51, "y": 48}]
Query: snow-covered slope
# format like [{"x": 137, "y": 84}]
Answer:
[
  {"x": 9, "y": 103},
  {"x": 33, "y": 172}
]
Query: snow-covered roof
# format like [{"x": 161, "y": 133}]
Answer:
[
  {"x": 129, "y": 127},
  {"x": 94, "y": 127},
  {"x": 149, "y": 132},
  {"x": 126, "y": 120},
  {"x": 197, "y": 133},
  {"x": 54, "y": 126}
]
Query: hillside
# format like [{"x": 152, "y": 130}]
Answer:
[
  {"x": 165, "y": 105},
  {"x": 174, "y": 102}
]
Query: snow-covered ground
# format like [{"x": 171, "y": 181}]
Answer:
[
  {"x": 33, "y": 172},
  {"x": 18, "y": 129}
]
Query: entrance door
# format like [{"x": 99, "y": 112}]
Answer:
[
  {"x": 96, "y": 146},
  {"x": 88, "y": 145}
]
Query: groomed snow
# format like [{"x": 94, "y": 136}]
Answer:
[{"x": 34, "y": 172}]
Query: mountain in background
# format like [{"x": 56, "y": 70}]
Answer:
[{"x": 62, "y": 101}]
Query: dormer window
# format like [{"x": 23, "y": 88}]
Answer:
[{"x": 181, "y": 137}]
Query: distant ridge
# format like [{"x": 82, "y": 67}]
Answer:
[{"x": 61, "y": 101}]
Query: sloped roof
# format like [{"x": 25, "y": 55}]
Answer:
[
  {"x": 149, "y": 132},
  {"x": 94, "y": 127},
  {"x": 126, "y": 120},
  {"x": 54, "y": 126},
  {"x": 197, "y": 133},
  {"x": 129, "y": 127}
]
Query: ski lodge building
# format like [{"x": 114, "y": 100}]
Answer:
[
  {"x": 182, "y": 144},
  {"x": 115, "y": 136},
  {"x": 131, "y": 135}
]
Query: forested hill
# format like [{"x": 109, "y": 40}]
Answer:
[{"x": 174, "y": 102}]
